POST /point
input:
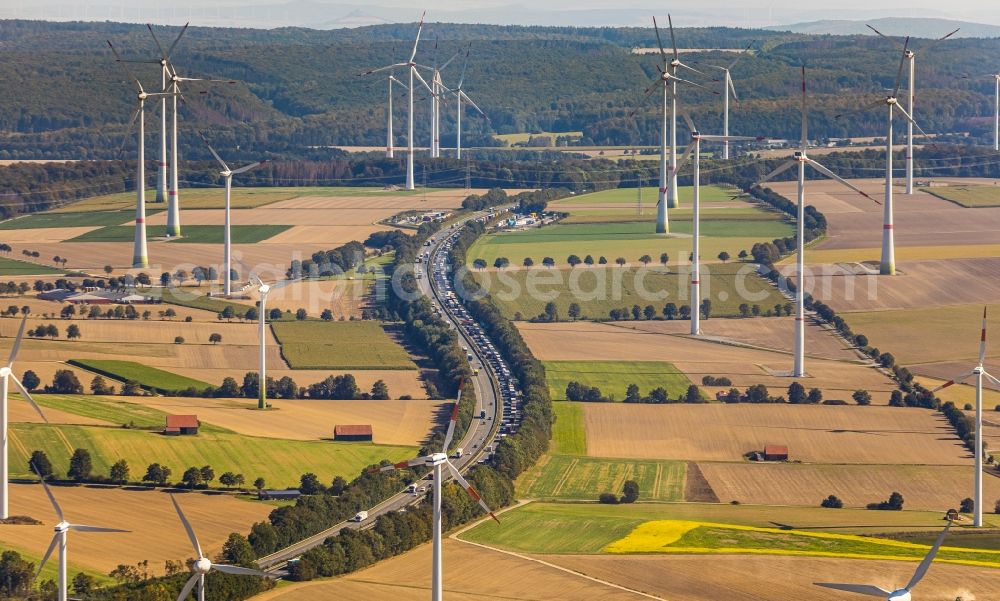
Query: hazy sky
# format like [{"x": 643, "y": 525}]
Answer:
[{"x": 341, "y": 13}]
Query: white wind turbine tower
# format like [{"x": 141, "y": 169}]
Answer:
[
  {"x": 887, "y": 266},
  {"x": 801, "y": 159},
  {"x": 668, "y": 181},
  {"x": 412, "y": 67},
  {"x": 996, "y": 111},
  {"x": 264, "y": 290},
  {"x": 912, "y": 58},
  {"x": 903, "y": 594},
  {"x": 164, "y": 62},
  {"x": 437, "y": 461},
  {"x": 727, "y": 89},
  {"x": 228, "y": 174},
  {"x": 979, "y": 371},
  {"x": 203, "y": 565},
  {"x": 389, "y": 142},
  {"x": 438, "y": 90},
  {"x": 461, "y": 97},
  {"x": 60, "y": 538},
  {"x": 140, "y": 255},
  {"x": 6, "y": 375},
  {"x": 695, "y": 148}
]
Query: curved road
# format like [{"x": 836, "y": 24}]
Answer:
[{"x": 434, "y": 283}]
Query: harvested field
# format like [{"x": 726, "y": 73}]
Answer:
[
  {"x": 191, "y": 234},
  {"x": 401, "y": 200},
  {"x": 344, "y": 298},
  {"x": 157, "y": 534},
  {"x": 45, "y": 234},
  {"x": 21, "y": 412},
  {"x": 962, "y": 393},
  {"x": 929, "y": 334},
  {"x": 920, "y": 220},
  {"x": 923, "y": 487},
  {"x": 393, "y": 422},
  {"x": 739, "y": 578},
  {"x": 582, "y": 478},
  {"x": 328, "y": 235},
  {"x": 904, "y": 254},
  {"x": 285, "y": 216},
  {"x": 164, "y": 332},
  {"x": 191, "y": 198},
  {"x": 601, "y": 288},
  {"x": 627, "y": 196},
  {"x": 508, "y": 578},
  {"x": 584, "y": 341},
  {"x": 813, "y": 433}
]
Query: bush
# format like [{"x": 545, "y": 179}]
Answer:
[
  {"x": 895, "y": 503},
  {"x": 630, "y": 492},
  {"x": 862, "y": 397},
  {"x": 832, "y": 502},
  {"x": 608, "y": 498},
  {"x": 967, "y": 505}
]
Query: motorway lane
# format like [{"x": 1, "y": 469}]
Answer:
[{"x": 479, "y": 434}]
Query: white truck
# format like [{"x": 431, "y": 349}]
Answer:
[
  {"x": 360, "y": 516},
  {"x": 459, "y": 452}
]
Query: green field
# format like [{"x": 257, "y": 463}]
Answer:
[
  {"x": 627, "y": 196},
  {"x": 13, "y": 267},
  {"x": 627, "y": 213},
  {"x": 196, "y": 234},
  {"x": 279, "y": 461},
  {"x": 600, "y": 289},
  {"x": 339, "y": 345},
  {"x": 976, "y": 197},
  {"x": 88, "y": 219},
  {"x": 613, "y": 377},
  {"x": 149, "y": 378},
  {"x": 111, "y": 410},
  {"x": 589, "y": 528},
  {"x": 569, "y": 436},
  {"x": 584, "y": 478},
  {"x": 522, "y": 137},
  {"x": 626, "y": 240},
  {"x": 195, "y": 299}
]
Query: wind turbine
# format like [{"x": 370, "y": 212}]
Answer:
[
  {"x": 437, "y": 461},
  {"x": 6, "y": 375},
  {"x": 902, "y": 594},
  {"x": 228, "y": 174},
  {"x": 59, "y": 538},
  {"x": 461, "y": 96},
  {"x": 887, "y": 266},
  {"x": 264, "y": 290},
  {"x": 389, "y": 143},
  {"x": 727, "y": 89},
  {"x": 437, "y": 91},
  {"x": 912, "y": 58},
  {"x": 667, "y": 197},
  {"x": 695, "y": 148},
  {"x": 203, "y": 565},
  {"x": 165, "y": 74},
  {"x": 412, "y": 67},
  {"x": 979, "y": 371},
  {"x": 801, "y": 160},
  {"x": 140, "y": 256}
]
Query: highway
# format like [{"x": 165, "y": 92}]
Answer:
[{"x": 435, "y": 285}]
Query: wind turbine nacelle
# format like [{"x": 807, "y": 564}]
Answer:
[
  {"x": 204, "y": 566},
  {"x": 4, "y": 371},
  {"x": 900, "y": 595}
]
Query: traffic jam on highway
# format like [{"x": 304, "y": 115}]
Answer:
[{"x": 440, "y": 269}]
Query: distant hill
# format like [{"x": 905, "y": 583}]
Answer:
[{"x": 921, "y": 28}]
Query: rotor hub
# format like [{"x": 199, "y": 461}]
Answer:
[
  {"x": 436, "y": 458},
  {"x": 61, "y": 527},
  {"x": 909, "y": 54},
  {"x": 890, "y": 100},
  {"x": 201, "y": 566},
  {"x": 4, "y": 371}
]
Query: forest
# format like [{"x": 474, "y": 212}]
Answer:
[{"x": 300, "y": 90}]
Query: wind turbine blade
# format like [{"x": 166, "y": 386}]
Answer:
[
  {"x": 402, "y": 465},
  {"x": 85, "y": 528},
  {"x": 187, "y": 526},
  {"x": 283, "y": 283},
  {"x": 687, "y": 121},
  {"x": 866, "y": 107},
  {"x": 465, "y": 64},
  {"x": 926, "y": 563},
  {"x": 659, "y": 42},
  {"x": 939, "y": 40},
  {"x": 225, "y": 167},
  {"x": 420, "y": 27},
  {"x": 370, "y": 71},
  {"x": 673, "y": 40},
  {"x": 907, "y": 116},
  {"x": 48, "y": 553},
  {"x": 399, "y": 83},
  {"x": 453, "y": 420},
  {"x": 465, "y": 97},
  {"x": 991, "y": 378},
  {"x": 240, "y": 571},
  {"x": 448, "y": 62},
  {"x": 740, "y": 55},
  {"x": 188, "y": 587},
  {"x": 124, "y": 65},
  {"x": 249, "y": 167},
  {"x": 777, "y": 171},
  {"x": 982, "y": 340},
  {"x": 805, "y": 114},
  {"x": 471, "y": 491},
  {"x": 27, "y": 397},
  {"x": 834, "y": 176},
  {"x": 24, "y": 322},
  {"x": 156, "y": 41},
  {"x": 862, "y": 589},
  {"x": 684, "y": 158},
  {"x": 732, "y": 88},
  {"x": 896, "y": 42},
  {"x": 179, "y": 36},
  {"x": 426, "y": 85},
  {"x": 954, "y": 381},
  {"x": 708, "y": 138},
  {"x": 899, "y": 72},
  {"x": 691, "y": 83},
  {"x": 690, "y": 68},
  {"x": 52, "y": 499}
]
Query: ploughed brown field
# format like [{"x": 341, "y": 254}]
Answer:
[
  {"x": 157, "y": 533},
  {"x": 813, "y": 433},
  {"x": 586, "y": 341}
]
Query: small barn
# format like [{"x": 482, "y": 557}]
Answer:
[
  {"x": 290, "y": 494},
  {"x": 361, "y": 432},
  {"x": 775, "y": 452},
  {"x": 178, "y": 425}
]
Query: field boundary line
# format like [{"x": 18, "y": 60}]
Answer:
[
  {"x": 656, "y": 481},
  {"x": 17, "y": 442},
  {"x": 65, "y": 441},
  {"x": 562, "y": 481}
]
